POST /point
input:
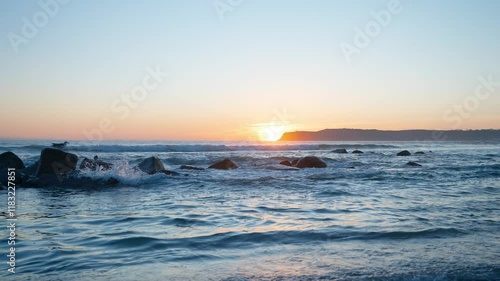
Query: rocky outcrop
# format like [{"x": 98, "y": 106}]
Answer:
[
  {"x": 311, "y": 162},
  {"x": 225, "y": 164},
  {"x": 404, "y": 153},
  {"x": 413, "y": 164},
  {"x": 340, "y": 151},
  {"x": 95, "y": 164},
  {"x": 419, "y": 152},
  {"x": 286, "y": 163},
  {"x": 151, "y": 165},
  {"x": 10, "y": 160},
  {"x": 294, "y": 162},
  {"x": 31, "y": 169},
  {"x": 357, "y": 152},
  {"x": 56, "y": 162},
  {"x": 187, "y": 167}
]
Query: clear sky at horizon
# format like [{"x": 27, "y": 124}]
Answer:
[{"x": 266, "y": 67}]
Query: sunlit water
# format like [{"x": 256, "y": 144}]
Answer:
[{"x": 381, "y": 220}]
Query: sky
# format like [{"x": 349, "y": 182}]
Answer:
[{"x": 245, "y": 69}]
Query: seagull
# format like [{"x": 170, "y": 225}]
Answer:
[{"x": 60, "y": 145}]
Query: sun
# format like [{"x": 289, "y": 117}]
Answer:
[{"x": 271, "y": 132}]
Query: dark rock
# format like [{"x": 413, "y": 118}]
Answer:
[
  {"x": 404, "y": 153},
  {"x": 294, "y": 162},
  {"x": 95, "y": 164},
  {"x": 151, "y": 165},
  {"x": 413, "y": 164},
  {"x": 10, "y": 160},
  {"x": 286, "y": 163},
  {"x": 340, "y": 151},
  {"x": 187, "y": 167},
  {"x": 351, "y": 167},
  {"x": 31, "y": 169},
  {"x": 419, "y": 152},
  {"x": 225, "y": 164},
  {"x": 311, "y": 162},
  {"x": 357, "y": 152},
  {"x": 55, "y": 161},
  {"x": 25, "y": 175}
]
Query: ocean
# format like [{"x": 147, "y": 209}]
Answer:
[{"x": 364, "y": 217}]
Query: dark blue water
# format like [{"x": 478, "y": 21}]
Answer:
[{"x": 381, "y": 220}]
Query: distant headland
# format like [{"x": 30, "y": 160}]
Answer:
[{"x": 402, "y": 135}]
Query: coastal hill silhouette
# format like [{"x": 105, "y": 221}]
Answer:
[{"x": 401, "y": 135}]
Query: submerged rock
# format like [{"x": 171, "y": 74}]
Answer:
[
  {"x": 413, "y": 164},
  {"x": 56, "y": 162},
  {"x": 340, "y": 151},
  {"x": 404, "y": 153},
  {"x": 357, "y": 152},
  {"x": 225, "y": 164},
  {"x": 311, "y": 162},
  {"x": 151, "y": 165},
  {"x": 187, "y": 167},
  {"x": 419, "y": 152},
  {"x": 286, "y": 163}
]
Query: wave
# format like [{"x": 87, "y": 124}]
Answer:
[
  {"x": 201, "y": 147},
  {"x": 244, "y": 240}
]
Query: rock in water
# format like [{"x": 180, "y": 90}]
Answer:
[
  {"x": 413, "y": 164},
  {"x": 31, "y": 170},
  {"x": 225, "y": 164},
  {"x": 357, "y": 152},
  {"x": 187, "y": 167},
  {"x": 151, "y": 165},
  {"x": 10, "y": 160},
  {"x": 404, "y": 153},
  {"x": 340, "y": 151},
  {"x": 294, "y": 162},
  {"x": 311, "y": 162},
  {"x": 419, "y": 152},
  {"x": 286, "y": 163},
  {"x": 95, "y": 165},
  {"x": 57, "y": 162}
]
